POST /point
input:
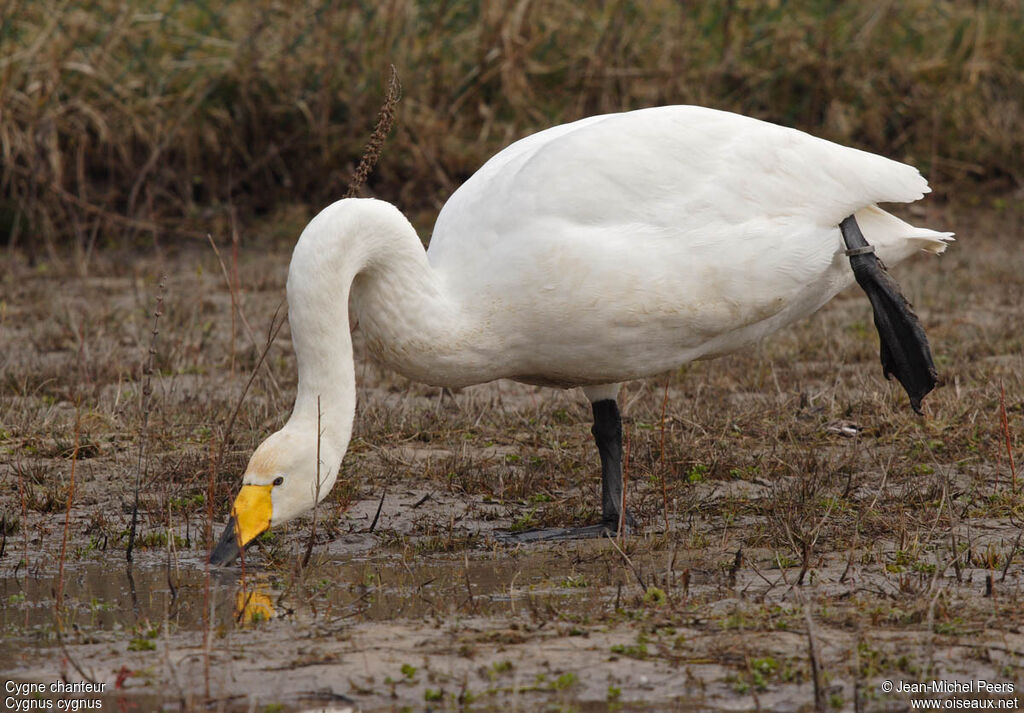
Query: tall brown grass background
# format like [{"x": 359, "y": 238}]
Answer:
[{"x": 156, "y": 120}]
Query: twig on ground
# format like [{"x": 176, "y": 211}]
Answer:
[
  {"x": 469, "y": 586},
  {"x": 629, "y": 563},
  {"x": 207, "y": 593},
  {"x": 380, "y": 506}
]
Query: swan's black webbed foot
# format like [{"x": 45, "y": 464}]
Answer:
[
  {"x": 562, "y": 534},
  {"x": 904, "y": 347}
]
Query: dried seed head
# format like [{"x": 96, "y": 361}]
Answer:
[{"x": 374, "y": 147}]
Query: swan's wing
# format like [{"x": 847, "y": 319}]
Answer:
[
  {"x": 664, "y": 234},
  {"x": 674, "y": 168}
]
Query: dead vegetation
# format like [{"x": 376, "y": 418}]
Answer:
[{"x": 126, "y": 123}]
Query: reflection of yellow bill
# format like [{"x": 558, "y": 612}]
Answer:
[{"x": 252, "y": 607}]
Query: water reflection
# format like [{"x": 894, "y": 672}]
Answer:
[
  {"x": 253, "y": 606},
  {"x": 101, "y": 596}
]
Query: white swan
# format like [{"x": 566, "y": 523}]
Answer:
[{"x": 608, "y": 249}]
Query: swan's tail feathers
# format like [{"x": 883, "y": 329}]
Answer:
[
  {"x": 887, "y": 231},
  {"x": 931, "y": 241},
  {"x": 904, "y": 346}
]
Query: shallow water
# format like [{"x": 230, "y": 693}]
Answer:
[
  {"x": 109, "y": 596},
  {"x": 106, "y": 601}
]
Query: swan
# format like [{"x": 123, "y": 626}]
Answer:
[{"x": 592, "y": 253}]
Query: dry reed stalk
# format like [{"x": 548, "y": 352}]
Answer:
[
  {"x": 147, "y": 392},
  {"x": 1009, "y": 557},
  {"x": 236, "y": 285},
  {"x": 232, "y": 290},
  {"x": 469, "y": 586},
  {"x": 734, "y": 569},
  {"x": 59, "y": 598},
  {"x": 217, "y": 457}
]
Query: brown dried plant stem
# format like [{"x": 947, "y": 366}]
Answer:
[
  {"x": 59, "y": 598},
  {"x": 371, "y": 155},
  {"x": 147, "y": 393}
]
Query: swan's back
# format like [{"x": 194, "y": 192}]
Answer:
[{"x": 675, "y": 167}]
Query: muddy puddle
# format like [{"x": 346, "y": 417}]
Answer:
[
  {"x": 114, "y": 616},
  {"x": 110, "y": 596}
]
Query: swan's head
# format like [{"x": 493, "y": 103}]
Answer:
[{"x": 280, "y": 483}]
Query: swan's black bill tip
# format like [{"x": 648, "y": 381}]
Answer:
[{"x": 227, "y": 549}]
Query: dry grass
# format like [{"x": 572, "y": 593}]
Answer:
[{"x": 131, "y": 122}]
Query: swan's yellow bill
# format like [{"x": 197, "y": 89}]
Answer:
[{"x": 252, "y": 510}]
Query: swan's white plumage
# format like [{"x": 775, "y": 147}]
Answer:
[
  {"x": 588, "y": 254},
  {"x": 621, "y": 245}
]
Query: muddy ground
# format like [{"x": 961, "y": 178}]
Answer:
[{"x": 802, "y": 532}]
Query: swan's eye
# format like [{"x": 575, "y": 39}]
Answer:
[{"x": 278, "y": 480}]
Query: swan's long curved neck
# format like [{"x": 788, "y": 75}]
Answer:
[
  {"x": 364, "y": 255},
  {"x": 318, "y": 317}
]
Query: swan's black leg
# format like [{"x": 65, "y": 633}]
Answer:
[
  {"x": 607, "y": 432},
  {"x": 904, "y": 346}
]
